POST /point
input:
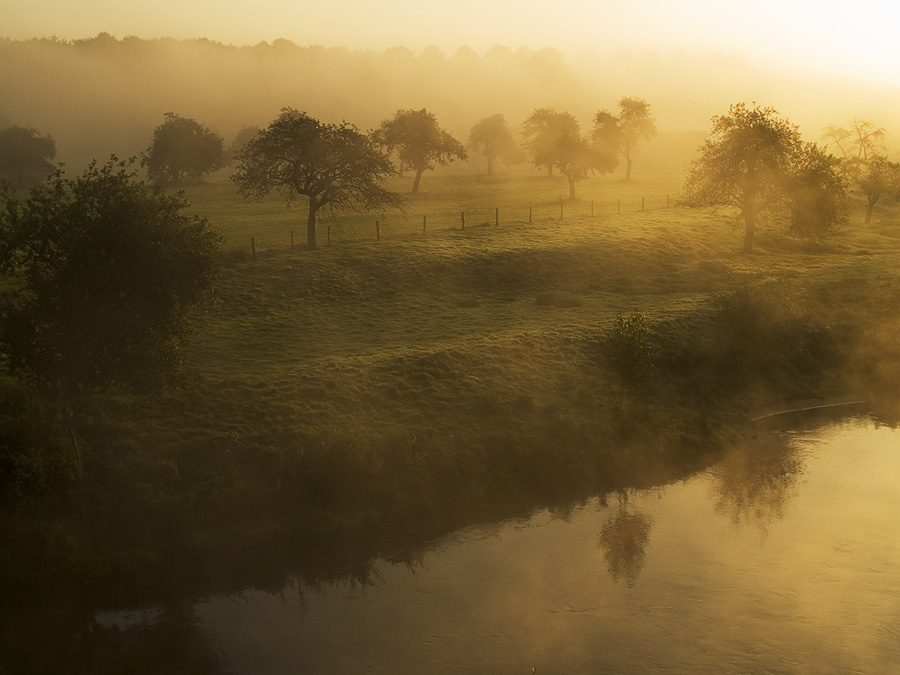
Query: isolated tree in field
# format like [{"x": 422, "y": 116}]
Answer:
[
  {"x": 746, "y": 163},
  {"x": 556, "y": 142},
  {"x": 864, "y": 161},
  {"x": 331, "y": 165},
  {"x": 25, "y": 156},
  {"x": 633, "y": 126},
  {"x": 542, "y": 131},
  {"x": 492, "y": 138},
  {"x": 182, "y": 151},
  {"x": 104, "y": 271},
  {"x": 419, "y": 141}
]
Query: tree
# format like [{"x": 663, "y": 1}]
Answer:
[
  {"x": 104, "y": 271},
  {"x": 332, "y": 165},
  {"x": 864, "y": 161},
  {"x": 245, "y": 134},
  {"x": 492, "y": 138},
  {"x": 556, "y": 141},
  {"x": 747, "y": 163},
  {"x": 182, "y": 151},
  {"x": 623, "y": 134},
  {"x": 25, "y": 156},
  {"x": 419, "y": 142},
  {"x": 542, "y": 131},
  {"x": 817, "y": 193}
]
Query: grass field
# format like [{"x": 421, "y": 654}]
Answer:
[{"x": 370, "y": 380}]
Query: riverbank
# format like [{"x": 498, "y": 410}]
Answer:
[{"x": 454, "y": 372}]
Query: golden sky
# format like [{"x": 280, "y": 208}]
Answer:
[{"x": 856, "y": 39}]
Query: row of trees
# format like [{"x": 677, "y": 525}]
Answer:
[
  {"x": 753, "y": 161},
  {"x": 182, "y": 150}
]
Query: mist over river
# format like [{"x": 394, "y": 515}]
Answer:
[{"x": 782, "y": 558}]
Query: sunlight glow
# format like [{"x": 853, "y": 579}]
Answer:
[{"x": 833, "y": 38}]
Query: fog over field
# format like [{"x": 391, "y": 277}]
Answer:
[{"x": 102, "y": 95}]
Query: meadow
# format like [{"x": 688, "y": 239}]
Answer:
[{"x": 455, "y": 370}]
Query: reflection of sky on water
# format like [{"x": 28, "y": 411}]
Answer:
[{"x": 786, "y": 560}]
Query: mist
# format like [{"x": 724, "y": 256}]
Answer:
[{"x": 102, "y": 96}]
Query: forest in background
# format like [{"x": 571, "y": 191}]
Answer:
[{"x": 103, "y": 96}]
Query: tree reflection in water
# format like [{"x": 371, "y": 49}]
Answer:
[
  {"x": 755, "y": 480},
  {"x": 624, "y": 539}
]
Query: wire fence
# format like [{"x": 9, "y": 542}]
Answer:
[{"x": 358, "y": 228}]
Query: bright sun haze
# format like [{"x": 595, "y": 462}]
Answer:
[{"x": 827, "y": 36}]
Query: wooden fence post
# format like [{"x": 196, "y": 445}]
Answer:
[
  {"x": 560, "y": 209},
  {"x": 592, "y": 208},
  {"x": 619, "y": 205},
  {"x": 424, "y": 223},
  {"x": 497, "y": 217},
  {"x": 529, "y": 214},
  {"x": 462, "y": 219},
  {"x": 253, "y": 247},
  {"x": 377, "y": 231},
  {"x": 667, "y": 201}
]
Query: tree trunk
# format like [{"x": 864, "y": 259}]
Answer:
[
  {"x": 419, "y": 173},
  {"x": 628, "y": 168},
  {"x": 490, "y": 160},
  {"x": 571, "y": 187},
  {"x": 311, "y": 225},
  {"x": 870, "y": 208},
  {"x": 749, "y": 226}
]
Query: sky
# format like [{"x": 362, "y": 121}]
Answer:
[{"x": 848, "y": 39}]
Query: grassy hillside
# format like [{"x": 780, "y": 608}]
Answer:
[{"x": 370, "y": 381}]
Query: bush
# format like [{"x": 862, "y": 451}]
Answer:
[{"x": 627, "y": 351}]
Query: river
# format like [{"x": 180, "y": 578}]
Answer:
[{"x": 783, "y": 558}]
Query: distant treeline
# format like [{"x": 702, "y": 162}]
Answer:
[{"x": 103, "y": 95}]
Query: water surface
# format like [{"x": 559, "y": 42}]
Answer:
[{"x": 782, "y": 558}]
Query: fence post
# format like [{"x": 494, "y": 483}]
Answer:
[
  {"x": 377, "y": 230},
  {"x": 592, "y": 208},
  {"x": 497, "y": 217},
  {"x": 424, "y": 223},
  {"x": 560, "y": 209},
  {"x": 529, "y": 214},
  {"x": 462, "y": 218},
  {"x": 619, "y": 205},
  {"x": 642, "y": 203},
  {"x": 329, "y": 235},
  {"x": 253, "y": 247},
  {"x": 667, "y": 201}
]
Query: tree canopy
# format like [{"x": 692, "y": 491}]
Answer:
[
  {"x": 755, "y": 161},
  {"x": 104, "y": 271},
  {"x": 491, "y": 137},
  {"x": 419, "y": 141},
  {"x": 331, "y": 165},
  {"x": 624, "y": 133},
  {"x": 25, "y": 156},
  {"x": 864, "y": 161},
  {"x": 182, "y": 151},
  {"x": 556, "y": 142}
]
